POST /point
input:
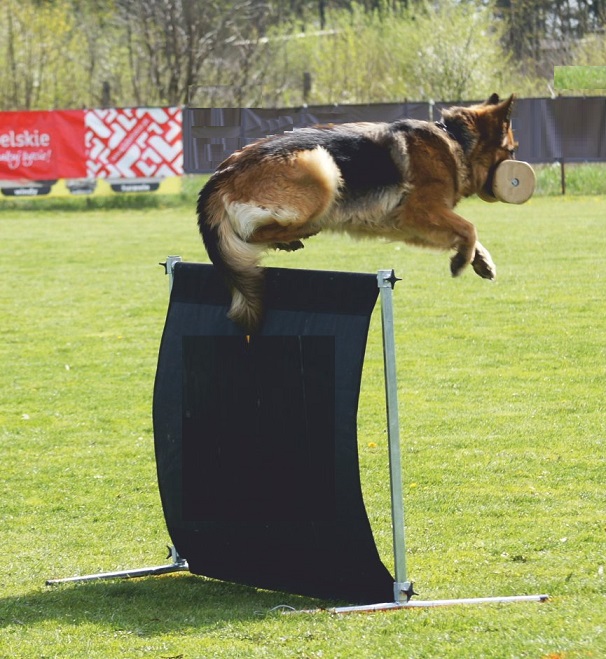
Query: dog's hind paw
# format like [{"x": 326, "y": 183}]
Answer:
[
  {"x": 483, "y": 264},
  {"x": 289, "y": 247}
]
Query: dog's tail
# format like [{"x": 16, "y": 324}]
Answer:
[{"x": 236, "y": 259}]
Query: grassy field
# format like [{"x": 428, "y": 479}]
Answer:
[
  {"x": 579, "y": 78},
  {"x": 503, "y": 421}
]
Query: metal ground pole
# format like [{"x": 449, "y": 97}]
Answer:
[
  {"x": 178, "y": 564},
  {"x": 403, "y": 586}
]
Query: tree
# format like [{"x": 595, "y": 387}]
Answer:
[
  {"x": 39, "y": 44},
  {"x": 448, "y": 52},
  {"x": 541, "y": 33},
  {"x": 175, "y": 45},
  {"x": 102, "y": 50},
  {"x": 75, "y": 53},
  {"x": 458, "y": 53}
]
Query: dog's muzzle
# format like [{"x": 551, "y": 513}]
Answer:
[{"x": 486, "y": 193}]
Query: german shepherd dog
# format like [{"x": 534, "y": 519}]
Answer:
[{"x": 397, "y": 180}]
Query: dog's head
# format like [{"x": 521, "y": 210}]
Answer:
[{"x": 484, "y": 131}]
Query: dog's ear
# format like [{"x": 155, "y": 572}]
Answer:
[
  {"x": 504, "y": 110},
  {"x": 493, "y": 100}
]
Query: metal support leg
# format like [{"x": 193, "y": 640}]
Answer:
[
  {"x": 169, "y": 266},
  {"x": 386, "y": 280},
  {"x": 178, "y": 565}
]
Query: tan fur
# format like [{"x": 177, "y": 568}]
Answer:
[{"x": 257, "y": 201}]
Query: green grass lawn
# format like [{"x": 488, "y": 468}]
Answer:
[
  {"x": 503, "y": 420},
  {"x": 579, "y": 78}
]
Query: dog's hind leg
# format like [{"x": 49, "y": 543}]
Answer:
[
  {"x": 277, "y": 202},
  {"x": 243, "y": 210}
]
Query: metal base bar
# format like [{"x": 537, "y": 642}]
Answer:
[
  {"x": 416, "y": 604},
  {"x": 431, "y": 603},
  {"x": 178, "y": 565}
]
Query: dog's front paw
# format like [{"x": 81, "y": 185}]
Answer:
[
  {"x": 457, "y": 263},
  {"x": 483, "y": 264}
]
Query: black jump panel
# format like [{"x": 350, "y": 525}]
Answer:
[{"x": 255, "y": 438}]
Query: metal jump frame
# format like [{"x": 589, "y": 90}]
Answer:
[{"x": 403, "y": 586}]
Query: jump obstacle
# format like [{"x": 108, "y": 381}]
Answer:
[{"x": 256, "y": 439}]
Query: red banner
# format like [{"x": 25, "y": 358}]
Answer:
[
  {"x": 134, "y": 142},
  {"x": 42, "y": 146}
]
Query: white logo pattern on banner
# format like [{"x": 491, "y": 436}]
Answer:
[{"x": 134, "y": 143}]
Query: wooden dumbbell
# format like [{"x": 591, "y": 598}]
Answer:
[{"x": 514, "y": 182}]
